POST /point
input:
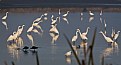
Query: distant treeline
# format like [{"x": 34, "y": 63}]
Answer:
[{"x": 24, "y": 10}]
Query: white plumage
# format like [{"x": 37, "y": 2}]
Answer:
[
  {"x": 66, "y": 14},
  {"x": 108, "y": 39},
  {"x": 83, "y": 36},
  {"x": 74, "y": 38},
  {"x": 68, "y": 54},
  {"x": 65, "y": 19}
]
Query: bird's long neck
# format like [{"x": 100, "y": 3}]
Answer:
[
  {"x": 6, "y": 14},
  {"x": 103, "y": 35},
  {"x": 87, "y": 30},
  {"x": 76, "y": 33}
]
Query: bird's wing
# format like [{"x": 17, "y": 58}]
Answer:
[{"x": 36, "y": 31}]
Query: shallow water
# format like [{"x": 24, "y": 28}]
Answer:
[{"x": 49, "y": 54}]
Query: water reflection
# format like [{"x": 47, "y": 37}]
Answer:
[
  {"x": 68, "y": 60},
  {"x": 31, "y": 38},
  {"x": 13, "y": 50},
  {"x": 4, "y": 20},
  {"x": 109, "y": 51}
]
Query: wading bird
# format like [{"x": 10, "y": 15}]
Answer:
[
  {"x": 85, "y": 33},
  {"x": 74, "y": 38},
  {"x": 83, "y": 36},
  {"x": 68, "y": 54},
  {"x": 108, "y": 39},
  {"x": 90, "y": 13},
  {"x": 54, "y": 33},
  {"x": 66, "y": 14},
  {"x": 54, "y": 21},
  {"x": 11, "y": 38},
  {"x": 38, "y": 19},
  {"x": 4, "y": 20},
  {"x": 116, "y": 36}
]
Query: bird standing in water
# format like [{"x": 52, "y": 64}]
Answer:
[{"x": 4, "y": 21}]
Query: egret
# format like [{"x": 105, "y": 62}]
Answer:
[
  {"x": 11, "y": 38},
  {"x": 74, "y": 38},
  {"x": 85, "y": 33},
  {"x": 101, "y": 13},
  {"x": 82, "y": 14},
  {"x": 116, "y": 35},
  {"x": 65, "y": 19},
  {"x": 91, "y": 14},
  {"x": 66, "y": 14},
  {"x": 68, "y": 54},
  {"x": 45, "y": 14},
  {"x": 108, "y": 39},
  {"x": 20, "y": 30},
  {"x": 54, "y": 21},
  {"x": 83, "y": 36},
  {"x": 54, "y": 33},
  {"x": 38, "y": 19},
  {"x": 38, "y": 26},
  {"x": 4, "y": 20}
]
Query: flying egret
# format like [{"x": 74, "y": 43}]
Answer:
[
  {"x": 108, "y": 39},
  {"x": 74, "y": 38},
  {"x": 68, "y": 54},
  {"x": 4, "y": 20},
  {"x": 83, "y": 36},
  {"x": 66, "y": 14},
  {"x": 116, "y": 35}
]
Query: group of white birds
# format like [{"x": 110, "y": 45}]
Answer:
[
  {"x": 112, "y": 40},
  {"x": 54, "y": 32}
]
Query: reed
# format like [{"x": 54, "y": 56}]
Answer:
[
  {"x": 37, "y": 58},
  {"x": 75, "y": 55},
  {"x": 13, "y": 63}
]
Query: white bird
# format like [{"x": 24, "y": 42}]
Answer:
[
  {"x": 36, "y": 31},
  {"x": 54, "y": 33},
  {"x": 108, "y": 39},
  {"x": 83, "y": 36},
  {"x": 85, "y": 33},
  {"x": 68, "y": 54},
  {"x": 4, "y": 20},
  {"x": 38, "y": 26},
  {"x": 38, "y": 19},
  {"x": 91, "y": 14},
  {"x": 74, "y": 38},
  {"x": 116, "y": 35},
  {"x": 101, "y": 13},
  {"x": 54, "y": 21},
  {"x": 66, "y": 14},
  {"x": 45, "y": 14},
  {"x": 65, "y": 19},
  {"x": 11, "y": 38},
  {"x": 81, "y": 13},
  {"x": 20, "y": 30}
]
